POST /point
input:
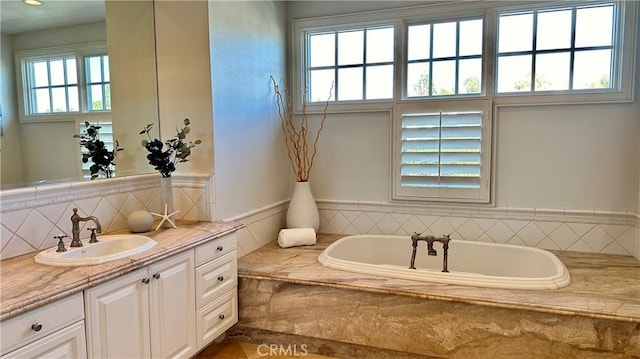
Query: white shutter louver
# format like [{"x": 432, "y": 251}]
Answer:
[
  {"x": 441, "y": 149},
  {"x": 105, "y": 134}
]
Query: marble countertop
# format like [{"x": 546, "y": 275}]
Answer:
[
  {"x": 25, "y": 285},
  {"x": 602, "y": 286}
]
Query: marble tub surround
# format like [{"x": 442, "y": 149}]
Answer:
[
  {"x": 437, "y": 328},
  {"x": 597, "y": 315},
  {"x": 25, "y": 285},
  {"x": 602, "y": 286}
]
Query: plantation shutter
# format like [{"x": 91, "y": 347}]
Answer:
[
  {"x": 441, "y": 154},
  {"x": 105, "y": 134}
]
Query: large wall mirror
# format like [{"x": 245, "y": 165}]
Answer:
[{"x": 106, "y": 51}]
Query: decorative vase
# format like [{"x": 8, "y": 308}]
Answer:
[
  {"x": 166, "y": 198},
  {"x": 140, "y": 221},
  {"x": 303, "y": 212}
]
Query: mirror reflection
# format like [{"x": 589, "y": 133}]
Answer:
[{"x": 65, "y": 64}]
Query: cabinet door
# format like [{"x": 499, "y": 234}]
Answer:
[
  {"x": 173, "y": 314},
  {"x": 117, "y": 315},
  {"x": 65, "y": 343}
]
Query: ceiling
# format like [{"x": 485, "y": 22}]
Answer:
[{"x": 16, "y": 17}]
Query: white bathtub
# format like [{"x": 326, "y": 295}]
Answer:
[{"x": 470, "y": 263}]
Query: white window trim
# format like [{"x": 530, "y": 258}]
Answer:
[{"x": 21, "y": 58}]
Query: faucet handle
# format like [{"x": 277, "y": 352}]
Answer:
[
  {"x": 60, "y": 238},
  {"x": 93, "y": 238}
]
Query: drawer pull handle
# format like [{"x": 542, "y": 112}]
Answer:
[
  {"x": 145, "y": 280},
  {"x": 220, "y": 248},
  {"x": 221, "y": 278},
  {"x": 36, "y": 327},
  {"x": 156, "y": 275},
  {"x": 221, "y": 317}
]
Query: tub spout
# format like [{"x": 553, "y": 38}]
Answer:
[{"x": 415, "y": 238}]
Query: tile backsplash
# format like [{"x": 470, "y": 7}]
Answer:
[
  {"x": 30, "y": 217},
  {"x": 596, "y": 232}
]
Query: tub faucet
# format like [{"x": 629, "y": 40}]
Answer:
[
  {"x": 75, "y": 227},
  {"x": 415, "y": 238}
]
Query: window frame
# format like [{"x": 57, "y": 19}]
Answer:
[
  {"x": 80, "y": 51},
  {"x": 481, "y": 195},
  {"x": 624, "y": 48},
  {"x": 365, "y": 65},
  {"x": 439, "y": 20}
]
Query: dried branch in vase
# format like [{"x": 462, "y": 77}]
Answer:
[{"x": 296, "y": 132}]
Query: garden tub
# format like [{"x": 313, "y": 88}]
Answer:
[{"x": 470, "y": 263}]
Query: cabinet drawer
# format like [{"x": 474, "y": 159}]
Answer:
[
  {"x": 18, "y": 331},
  {"x": 217, "y": 317},
  {"x": 215, "y": 248},
  {"x": 65, "y": 343},
  {"x": 215, "y": 278}
]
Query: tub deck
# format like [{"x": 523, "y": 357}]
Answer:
[{"x": 602, "y": 286}]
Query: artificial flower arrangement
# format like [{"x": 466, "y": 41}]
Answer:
[
  {"x": 103, "y": 158},
  {"x": 165, "y": 156}
]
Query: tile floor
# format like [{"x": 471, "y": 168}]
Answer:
[{"x": 233, "y": 349}]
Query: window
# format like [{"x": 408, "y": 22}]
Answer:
[
  {"x": 443, "y": 151},
  {"x": 444, "y": 58},
  {"x": 455, "y": 63},
  {"x": 65, "y": 80},
  {"x": 570, "y": 48},
  {"x": 53, "y": 85},
  {"x": 357, "y": 63},
  {"x": 98, "y": 89}
]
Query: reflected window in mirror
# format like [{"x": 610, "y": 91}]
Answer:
[
  {"x": 98, "y": 88},
  {"x": 104, "y": 134},
  {"x": 64, "y": 80}
]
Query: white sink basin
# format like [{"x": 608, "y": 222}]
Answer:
[{"x": 109, "y": 248}]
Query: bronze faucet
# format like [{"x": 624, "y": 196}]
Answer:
[
  {"x": 75, "y": 227},
  {"x": 430, "y": 250}
]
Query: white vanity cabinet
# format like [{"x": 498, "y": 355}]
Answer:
[
  {"x": 55, "y": 330},
  {"x": 216, "y": 288},
  {"x": 146, "y": 313},
  {"x": 170, "y": 309}
]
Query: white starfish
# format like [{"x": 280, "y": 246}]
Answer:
[{"x": 165, "y": 217}]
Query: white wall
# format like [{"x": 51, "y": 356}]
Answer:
[
  {"x": 66, "y": 35},
  {"x": 132, "y": 66},
  {"x": 576, "y": 157},
  {"x": 247, "y": 46},
  {"x": 184, "y": 78},
  {"x": 10, "y": 141},
  {"x": 581, "y": 157}
]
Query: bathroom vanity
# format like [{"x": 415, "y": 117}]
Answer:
[{"x": 170, "y": 301}]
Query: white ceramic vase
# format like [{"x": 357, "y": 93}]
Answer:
[
  {"x": 303, "y": 212},
  {"x": 166, "y": 198}
]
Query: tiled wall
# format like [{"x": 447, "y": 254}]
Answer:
[
  {"x": 613, "y": 233},
  {"x": 30, "y": 217},
  {"x": 262, "y": 227}
]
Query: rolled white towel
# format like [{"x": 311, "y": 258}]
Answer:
[{"x": 296, "y": 237}]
